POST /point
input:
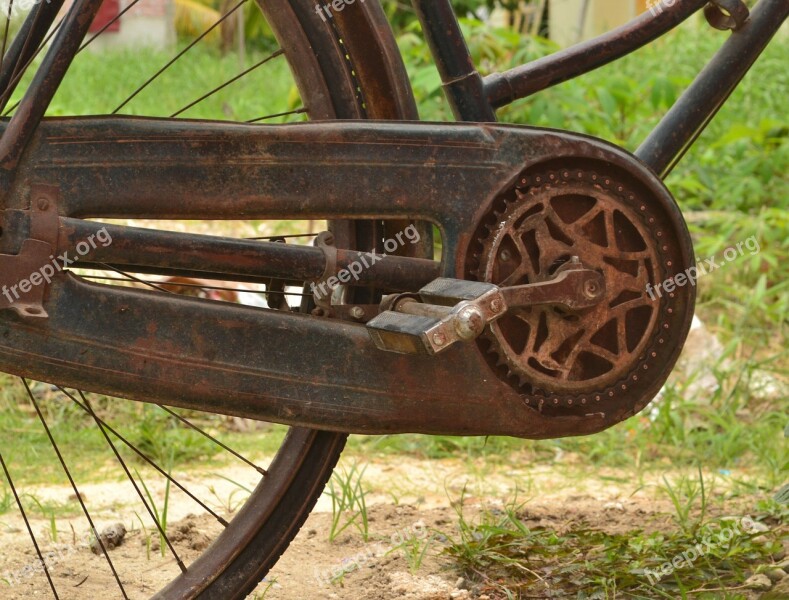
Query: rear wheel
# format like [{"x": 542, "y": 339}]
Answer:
[{"x": 344, "y": 68}]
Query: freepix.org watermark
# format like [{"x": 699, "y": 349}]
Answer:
[
  {"x": 372, "y": 553},
  {"x": 656, "y": 7},
  {"x": 52, "y": 558},
  {"x": 327, "y": 11},
  {"x": 57, "y": 264},
  {"x": 738, "y": 527},
  {"x": 18, "y": 6},
  {"x": 365, "y": 261},
  {"x": 692, "y": 274}
]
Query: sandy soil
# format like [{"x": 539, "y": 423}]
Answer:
[{"x": 408, "y": 499}]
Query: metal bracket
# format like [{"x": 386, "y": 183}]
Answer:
[
  {"x": 325, "y": 241},
  {"x": 25, "y": 277}
]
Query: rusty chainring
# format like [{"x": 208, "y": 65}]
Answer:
[{"x": 601, "y": 358}]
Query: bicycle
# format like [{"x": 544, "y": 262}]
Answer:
[{"x": 536, "y": 319}]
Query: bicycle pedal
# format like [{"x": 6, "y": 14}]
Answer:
[
  {"x": 447, "y": 292},
  {"x": 447, "y": 311}
]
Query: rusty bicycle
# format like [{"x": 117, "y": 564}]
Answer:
[{"x": 535, "y": 319}]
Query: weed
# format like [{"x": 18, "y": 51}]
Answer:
[
  {"x": 348, "y": 501},
  {"x": 146, "y": 535},
  {"x": 268, "y": 585},
  {"x": 509, "y": 558},
  {"x": 235, "y": 499},
  {"x": 414, "y": 549},
  {"x": 6, "y": 500},
  {"x": 160, "y": 515},
  {"x": 684, "y": 497}
]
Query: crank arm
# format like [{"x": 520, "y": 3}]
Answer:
[{"x": 448, "y": 311}]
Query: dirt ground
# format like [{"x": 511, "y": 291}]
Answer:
[{"x": 409, "y": 499}]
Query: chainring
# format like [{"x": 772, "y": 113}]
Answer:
[{"x": 618, "y": 353}]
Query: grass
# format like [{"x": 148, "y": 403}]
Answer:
[
  {"x": 99, "y": 83},
  {"x": 348, "y": 502},
  {"x": 506, "y": 557},
  {"x": 160, "y": 513}
]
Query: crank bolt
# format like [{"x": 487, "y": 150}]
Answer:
[
  {"x": 43, "y": 204},
  {"x": 469, "y": 324},
  {"x": 357, "y": 312},
  {"x": 496, "y": 306},
  {"x": 439, "y": 339}
]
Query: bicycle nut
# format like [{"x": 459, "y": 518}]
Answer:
[{"x": 469, "y": 323}]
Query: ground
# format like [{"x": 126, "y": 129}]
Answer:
[{"x": 413, "y": 512}]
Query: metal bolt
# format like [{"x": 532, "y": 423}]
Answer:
[
  {"x": 439, "y": 339},
  {"x": 357, "y": 312},
  {"x": 43, "y": 204},
  {"x": 496, "y": 306},
  {"x": 469, "y": 323},
  {"x": 505, "y": 255}
]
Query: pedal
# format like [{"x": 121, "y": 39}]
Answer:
[{"x": 447, "y": 311}]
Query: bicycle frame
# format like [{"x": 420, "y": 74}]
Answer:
[
  {"x": 472, "y": 97},
  {"x": 475, "y": 99}
]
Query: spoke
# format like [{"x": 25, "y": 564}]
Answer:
[
  {"x": 27, "y": 525},
  {"x": 135, "y": 279},
  {"x": 279, "y": 52},
  {"x": 142, "y": 455},
  {"x": 260, "y": 470},
  {"x": 5, "y": 34},
  {"x": 283, "y": 237},
  {"x": 158, "y": 284},
  {"x": 298, "y": 111},
  {"x": 178, "y": 56},
  {"x": 133, "y": 481},
  {"x": 103, "y": 29},
  {"x": 74, "y": 486}
]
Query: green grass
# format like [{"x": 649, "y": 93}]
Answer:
[
  {"x": 348, "y": 502},
  {"x": 508, "y": 558},
  {"x": 159, "y": 436},
  {"x": 99, "y": 83}
]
